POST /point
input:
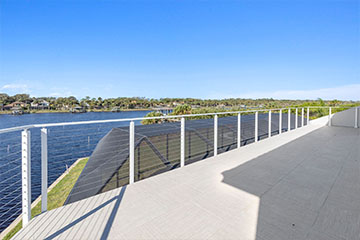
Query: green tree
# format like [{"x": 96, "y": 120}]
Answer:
[
  {"x": 153, "y": 121},
  {"x": 182, "y": 110}
]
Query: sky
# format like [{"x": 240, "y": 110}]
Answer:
[{"x": 301, "y": 49}]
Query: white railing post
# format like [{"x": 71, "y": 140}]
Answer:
[
  {"x": 239, "y": 131},
  {"x": 296, "y": 118},
  {"x": 302, "y": 117},
  {"x": 280, "y": 121},
  {"x": 26, "y": 176},
  {"x": 131, "y": 152},
  {"x": 215, "y": 134},
  {"x": 356, "y": 117},
  {"x": 329, "y": 123},
  {"x": 308, "y": 116},
  {"x": 44, "y": 169},
  {"x": 269, "y": 122},
  {"x": 182, "y": 142},
  {"x": 256, "y": 125},
  {"x": 289, "y": 120}
]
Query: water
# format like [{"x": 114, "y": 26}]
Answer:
[
  {"x": 7, "y": 121},
  {"x": 66, "y": 144}
]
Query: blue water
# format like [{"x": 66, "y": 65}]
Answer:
[
  {"x": 65, "y": 145},
  {"x": 7, "y": 121}
]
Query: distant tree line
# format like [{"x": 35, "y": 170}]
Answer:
[
  {"x": 186, "y": 109},
  {"x": 63, "y": 103}
]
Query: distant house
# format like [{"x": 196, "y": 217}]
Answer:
[
  {"x": 34, "y": 105},
  {"x": 65, "y": 107},
  {"x": 7, "y": 107},
  {"x": 78, "y": 109},
  {"x": 116, "y": 109},
  {"x": 85, "y": 105},
  {"x": 41, "y": 105},
  {"x": 18, "y": 104},
  {"x": 13, "y": 105}
]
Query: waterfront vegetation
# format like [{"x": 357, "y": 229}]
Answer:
[
  {"x": 64, "y": 104},
  {"x": 313, "y": 114},
  {"x": 56, "y": 196}
]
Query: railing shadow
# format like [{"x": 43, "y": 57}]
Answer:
[
  {"x": 110, "y": 220},
  {"x": 286, "y": 181},
  {"x": 112, "y": 216}
]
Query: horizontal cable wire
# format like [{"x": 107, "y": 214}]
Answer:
[
  {"x": 75, "y": 136},
  {"x": 12, "y": 138},
  {"x": 9, "y": 210},
  {"x": 10, "y": 146},
  {"x": 14, "y": 214},
  {"x": 9, "y": 201},
  {"x": 7, "y": 179},
  {"x": 10, "y": 162},
  {"x": 10, "y": 193},
  {"x": 10, "y": 170},
  {"x": 9, "y": 186}
]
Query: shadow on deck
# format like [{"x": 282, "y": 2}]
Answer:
[{"x": 308, "y": 188}]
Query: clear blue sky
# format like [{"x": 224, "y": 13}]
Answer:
[{"x": 207, "y": 49}]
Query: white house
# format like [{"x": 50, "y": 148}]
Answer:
[{"x": 41, "y": 105}]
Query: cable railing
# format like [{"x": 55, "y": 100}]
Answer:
[
  {"x": 33, "y": 157},
  {"x": 10, "y": 177}
]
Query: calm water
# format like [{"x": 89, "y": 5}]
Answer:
[
  {"x": 7, "y": 121},
  {"x": 65, "y": 145}
]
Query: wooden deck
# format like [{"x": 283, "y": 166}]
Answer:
[{"x": 304, "y": 184}]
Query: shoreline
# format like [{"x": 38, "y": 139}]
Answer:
[{"x": 61, "y": 111}]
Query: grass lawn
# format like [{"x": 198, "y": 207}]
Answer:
[{"x": 56, "y": 196}]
